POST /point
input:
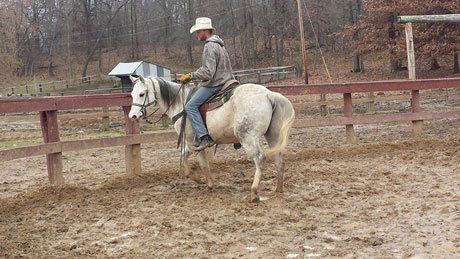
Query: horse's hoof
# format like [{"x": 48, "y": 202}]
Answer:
[
  {"x": 279, "y": 189},
  {"x": 195, "y": 178},
  {"x": 255, "y": 198},
  {"x": 210, "y": 186}
]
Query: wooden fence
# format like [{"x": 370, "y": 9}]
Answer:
[
  {"x": 259, "y": 75},
  {"x": 59, "y": 87},
  {"x": 89, "y": 84},
  {"x": 53, "y": 147},
  {"x": 264, "y": 75}
]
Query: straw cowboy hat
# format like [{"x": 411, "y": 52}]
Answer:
[{"x": 202, "y": 23}]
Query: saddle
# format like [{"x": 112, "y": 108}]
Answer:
[
  {"x": 212, "y": 103},
  {"x": 218, "y": 99}
]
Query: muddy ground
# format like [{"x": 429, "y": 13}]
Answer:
[{"x": 389, "y": 196}]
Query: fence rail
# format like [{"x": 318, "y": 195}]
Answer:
[
  {"x": 57, "y": 87},
  {"x": 66, "y": 87},
  {"x": 53, "y": 146},
  {"x": 259, "y": 75},
  {"x": 264, "y": 75}
]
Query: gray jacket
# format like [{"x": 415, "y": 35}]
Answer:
[{"x": 216, "y": 68}]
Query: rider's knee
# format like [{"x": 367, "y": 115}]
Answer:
[{"x": 188, "y": 107}]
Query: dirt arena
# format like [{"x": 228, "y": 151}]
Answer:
[{"x": 389, "y": 196}]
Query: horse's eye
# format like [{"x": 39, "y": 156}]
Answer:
[{"x": 141, "y": 94}]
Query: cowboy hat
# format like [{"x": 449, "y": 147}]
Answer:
[{"x": 202, "y": 23}]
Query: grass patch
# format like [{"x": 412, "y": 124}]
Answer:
[{"x": 15, "y": 143}]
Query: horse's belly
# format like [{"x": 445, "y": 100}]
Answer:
[
  {"x": 220, "y": 125},
  {"x": 222, "y": 134}
]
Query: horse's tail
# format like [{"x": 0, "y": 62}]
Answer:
[{"x": 282, "y": 119}]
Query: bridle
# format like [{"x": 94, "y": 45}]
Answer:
[{"x": 146, "y": 104}]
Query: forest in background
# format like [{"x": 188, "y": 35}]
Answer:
[{"x": 71, "y": 38}]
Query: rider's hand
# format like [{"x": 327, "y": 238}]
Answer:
[{"x": 185, "y": 78}]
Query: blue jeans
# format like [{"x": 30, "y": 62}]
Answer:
[{"x": 193, "y": 105}]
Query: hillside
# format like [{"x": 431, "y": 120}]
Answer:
[{"x": 338, "y": 63}]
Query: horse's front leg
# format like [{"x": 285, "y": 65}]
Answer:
[
  {"x": 204, "y": 164},
  {"x": 187, "y": 171}
]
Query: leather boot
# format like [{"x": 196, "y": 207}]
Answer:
[{"x": 205, "y": 142}]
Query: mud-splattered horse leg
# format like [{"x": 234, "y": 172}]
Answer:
[
  {"x": 272, "y": 139},
  {"x": 254, "y": 149},
  {"x": 204, "y": 164},
  {"x": 279, "y": 164},
  {"x": 187, "y": 171}
]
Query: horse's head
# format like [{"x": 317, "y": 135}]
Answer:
[{"x": 143, "y": 95}]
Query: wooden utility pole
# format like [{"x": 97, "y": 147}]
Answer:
[
  {"x": 415, "y": 100},
  {"x": 410, "y": 51},
  {"x": 408, "y": 20},
  {"x": 302, "y": 41}
]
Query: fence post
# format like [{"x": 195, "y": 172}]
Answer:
[
  {"x": 371, "y": 103},
  {"x": 348, "y": 112},
  {"x": 35, "y": 87},
  {"x": 417, "y": 125},
  {"x": 415, "y": 100},
  {"x": 105, "y": 119},
  {"x": 133, "y": 151},
  {"x": 324, "y": 110},
  {"x": 50, "y": 131}
]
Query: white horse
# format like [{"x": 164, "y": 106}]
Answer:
[{"x": 253, "y": 112}]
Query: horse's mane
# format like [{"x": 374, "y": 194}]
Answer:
[{"x": 172, "y": 94}]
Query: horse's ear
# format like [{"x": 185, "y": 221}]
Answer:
[
  {"x": 142, "y": 79},
  {"x": 133, "y": 79}
]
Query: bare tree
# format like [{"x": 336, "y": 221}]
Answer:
[{"x": 117, "y": 5}]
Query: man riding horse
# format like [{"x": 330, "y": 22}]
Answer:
[{"x": 215, "y": 70}]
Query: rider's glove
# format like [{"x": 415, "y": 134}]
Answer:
[{"x": 185, "y": 78}]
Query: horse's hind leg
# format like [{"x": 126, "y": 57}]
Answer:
[
  {"x": 279, "y": 163},
  {"x": 272, "y": 137},
  {"x": 253, "y": 148}
]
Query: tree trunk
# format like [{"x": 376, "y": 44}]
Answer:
[
  {"x": 235, "y": 29},
  {"x": 96, "y": 44},
  {"x": 189, "y": 36},
  {"x": 358, "y": 64},
  {"x": 253, "y": 49},
  {"x": 277, "y": 52},
  {"x": 434, "y": 64},
  {"x": 100, "y": 61},
  {"x": 456, "y": 64},
  {"x": 357, "y": 59},
  {"x": 281, "y": 53},
  {"x": 134, "y": 38},
  {"x": 68, "y": 50},
  {"x": 395, "y": 63}
]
